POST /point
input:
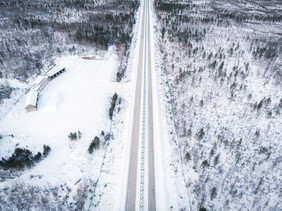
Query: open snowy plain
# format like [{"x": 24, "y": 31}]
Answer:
[{"x": 77, "y": 100}]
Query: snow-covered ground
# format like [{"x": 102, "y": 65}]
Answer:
[
  {"x": 170, "y": 187},
  {"x": 77, "y": 100},
  {"x": 226, "y": 97},
  {"x": 229, "y": 144}
]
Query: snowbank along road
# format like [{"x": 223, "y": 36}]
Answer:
[{"x": 141, "y": 182}]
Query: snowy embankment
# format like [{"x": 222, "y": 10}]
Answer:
[
  {"x": 77, "y": 100},
  {"x": 170, "y": 189}
]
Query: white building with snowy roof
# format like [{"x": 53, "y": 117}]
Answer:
[
  {"x": 56, "y": 71},
  {"x": 31, "y": 101},
  {"x": 40, "y": 83}
]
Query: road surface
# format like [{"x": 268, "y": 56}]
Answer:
[
  {"x": 132, "y": 171},
  {"x": 144, "y": 67},
  {"x": 151, "y": 161}
]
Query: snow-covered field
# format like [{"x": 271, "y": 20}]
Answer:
[
  {"x": 77, "y": 100},
  {"x": 70, "y": 178}
]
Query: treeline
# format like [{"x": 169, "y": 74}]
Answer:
[
  {"x": 112, "y": 29},
  {"x": 250, "y": 17},
  {"x": 50, "y": 4},
  {"x": 168, "y": 7},
  {"x": 22, "y": 158}
]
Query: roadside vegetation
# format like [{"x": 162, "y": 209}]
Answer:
[
  {"x": 104, "y": 138},
  {"x": 113, "y": 105}
]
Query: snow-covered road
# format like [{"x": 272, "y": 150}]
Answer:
[
  {"x": 150, "y": 184},
  {"x": 132, "y": 171},
  {"x": 141, "y": 192}
]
